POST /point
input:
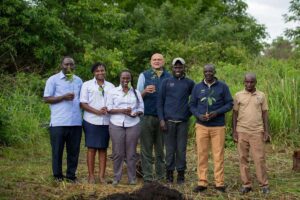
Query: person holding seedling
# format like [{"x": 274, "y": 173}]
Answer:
[
  {"x": 173, "y": 113},
  {"x": 210, "y": 100},
  {"x": 149, "y": 83},
  {"x": 251, "y": 131},
  {"x": 125, "y": 104},
  {"x": 93, "y": 98},
  {"x": 62, "y": 92}
]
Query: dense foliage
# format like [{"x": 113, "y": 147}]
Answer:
[{"x": 35, "y": 34}]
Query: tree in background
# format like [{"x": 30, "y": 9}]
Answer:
[
  {"x": 123, "y": 34},
  {"x": 280, "y": 48}
]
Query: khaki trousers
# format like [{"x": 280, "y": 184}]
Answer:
[
  {"x": 252, "y": 143},
  {"x": 215, "y": 135}
]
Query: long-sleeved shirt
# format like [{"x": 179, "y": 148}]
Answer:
[
  {"x": 173, "y": 99},
  {"x": 215, "y": 98},
  {"x": 117, "y": 99}
]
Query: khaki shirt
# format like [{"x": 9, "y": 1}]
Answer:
[{"x": 249, "y": 107}]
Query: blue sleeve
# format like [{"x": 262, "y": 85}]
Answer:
[
  {"x": 49, "y": 88},
  {"x": 194, "y": 102},
  {"x": 192, "y": 86},
  {"x": 161, "y": 100},
  {"x": 228, "y": 101},
  {"x": 141, "y": 83}
]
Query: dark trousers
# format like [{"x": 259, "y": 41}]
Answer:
[
  {"x": 152, "y": 138},
  {"x": 59, "y": 136},
  {"x": 175, "y": 143}
]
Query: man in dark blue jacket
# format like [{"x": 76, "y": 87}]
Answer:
[
  {"x": 151, "y": 137},
  {"x": 210, "y": 100},
  {"x": 173, "y": 113}
]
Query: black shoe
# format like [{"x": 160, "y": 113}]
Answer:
[
  {"x": 265, "y": 190},
  {"x": 169, "y": 176},
  {"x": 58, "y": 178},
  {"x": 72, "y": 179},
  {"x": 221, "y": 188},
  {"x": 180, "y": 177},
  {"x": 245, "y": 190},
  {"x": 199, "y": 188}
]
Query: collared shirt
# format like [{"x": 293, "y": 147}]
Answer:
[
  {"x": 250, "y": 107},
  {"x": 64, "y": 113},
  {"x": 209, "y": 84},
  {"x": 149, "y": 77},
  {"x": 141, "y": 80},
  {"x": 117, "y": 99},
  {"x": 95, "y": 98}
]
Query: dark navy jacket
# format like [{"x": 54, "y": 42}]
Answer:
[
  {"x": 221, "y": 102},
  {"x": 150, "y": 100},
  {"x": 173, "y": 99}
]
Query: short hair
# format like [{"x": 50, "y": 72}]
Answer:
[
  {"x": 96, "y": 65},
  {"x": 210, "y": 65},
  {"x": 63, "y": 58}
]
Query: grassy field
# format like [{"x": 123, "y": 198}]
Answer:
[
  {"x": 25, "y": 161},
  {"x": 26, "y": 174}
]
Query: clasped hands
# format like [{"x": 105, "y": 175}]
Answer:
[
  {"x": 128, "y": 112},
  {"x": 207, "y": 116}
]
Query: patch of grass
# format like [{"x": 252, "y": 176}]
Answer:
[{"x": 26, "y": 174}]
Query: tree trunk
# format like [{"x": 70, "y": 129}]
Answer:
[{"x": 296, "y": 161}]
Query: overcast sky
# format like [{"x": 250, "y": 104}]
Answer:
[{"x": 269, "y": 13}]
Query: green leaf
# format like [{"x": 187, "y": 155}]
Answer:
[{"x": 209, "y": 100}]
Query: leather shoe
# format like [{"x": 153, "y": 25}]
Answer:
[
  {"x": 221, "y": 188},
  {"x": 199, "y": 188}
]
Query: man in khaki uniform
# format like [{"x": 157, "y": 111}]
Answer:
[{"x": 251, "y": 131}]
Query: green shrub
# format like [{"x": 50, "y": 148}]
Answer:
[{"x": 23, "y": 114}]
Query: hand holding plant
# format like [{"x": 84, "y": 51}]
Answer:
[{"x": 68, "y": 96}]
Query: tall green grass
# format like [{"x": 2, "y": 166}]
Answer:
[
  {"x": 280, "y": 80},
  {"x": 22, "y": 111}
]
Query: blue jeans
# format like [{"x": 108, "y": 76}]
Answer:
[
  {"x": 59, "y": 136},
  {"x": 175, "y": 142}
]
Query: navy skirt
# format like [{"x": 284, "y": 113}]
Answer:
[{"x": 96, "y": 136}]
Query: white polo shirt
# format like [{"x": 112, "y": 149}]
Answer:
[
  {"x": 117, "y": 99},
  {"x": 91, "y": 95}
]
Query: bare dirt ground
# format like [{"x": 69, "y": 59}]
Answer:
[{"x": 25, "y": 173}]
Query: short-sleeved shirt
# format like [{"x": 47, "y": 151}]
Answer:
[
  {"x": 117, "y": 99},
  {"x": 64, "y": 113},
  {"x": 250, "y": 107},
  {"x": 95, "y": 98}
]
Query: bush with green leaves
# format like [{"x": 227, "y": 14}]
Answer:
[{"x": 23, "y": 115}]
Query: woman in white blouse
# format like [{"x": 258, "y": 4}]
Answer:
[
  {"x": 125, "y": 104},
  {"x": 96, "y": 119}
]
